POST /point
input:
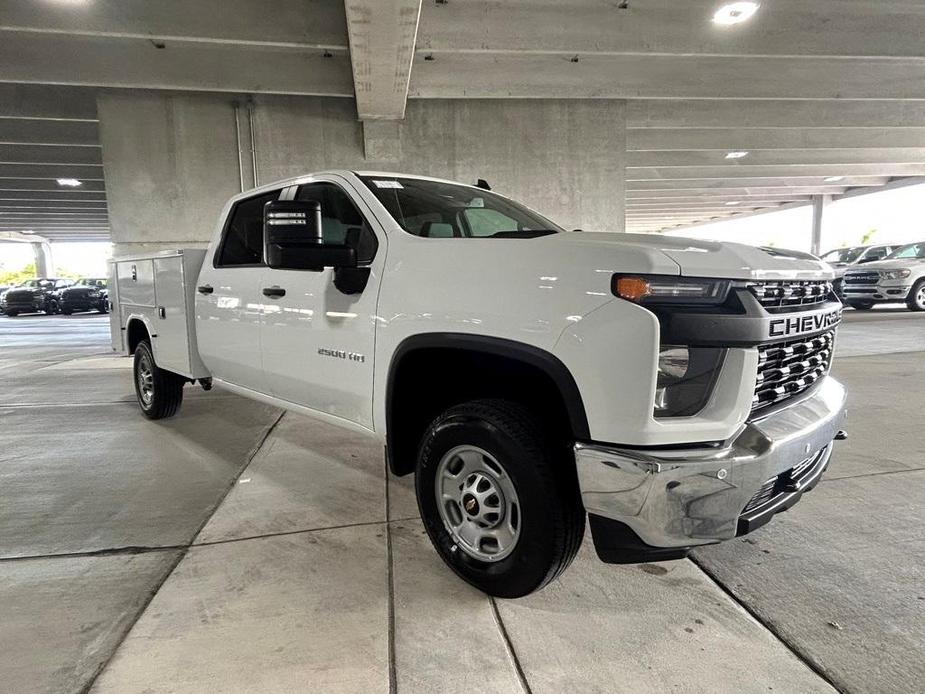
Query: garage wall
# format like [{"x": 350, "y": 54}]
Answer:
[{"x": 172, "y": 160}]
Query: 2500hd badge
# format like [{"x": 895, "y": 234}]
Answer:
[{"x": 797, "y": 325}]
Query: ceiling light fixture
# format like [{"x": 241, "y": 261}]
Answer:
[
  {"x": 735, "y": 13},
  {"x": 833, "y": 179},
  {"x": 736, "y": 155},
  {"x": 69, "y": 182}
]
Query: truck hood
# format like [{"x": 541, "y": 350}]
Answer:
[
  {"x": 897, "y": 264},
  {"x": 695, "y": 258}
]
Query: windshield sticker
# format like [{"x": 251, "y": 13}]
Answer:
[{"x": 388, "y": 184}]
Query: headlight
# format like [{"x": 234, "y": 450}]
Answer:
[
  {"x": 685, "y": 379},
  {"x": 657, "y": 289},
  {"x": 896, "y": 274}
]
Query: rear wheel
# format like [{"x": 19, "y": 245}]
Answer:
[
  {"x": 159, "y": 392},
  {"x": 861, "y": 305},
  {"x": 916, "y": 299},
  {"x": 12, "y": 314},
  {"x": 498, "y": 497}
]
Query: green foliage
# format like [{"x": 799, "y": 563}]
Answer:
[
  {"x": 17, "y": 276},
  {"x": 865, "y": 239}
]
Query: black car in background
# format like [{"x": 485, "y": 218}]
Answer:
[
  {"x": 32, "y": 296},
  {"x": 87, "y": 294}
]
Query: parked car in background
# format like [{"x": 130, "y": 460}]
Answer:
[
  {"x": 3, "y": 290},
  {"x": 843, "y": 258},
  {"x": 87, "y": 294},
  {"x": 899, "y": 277},
  {"x": 32, "y": 296}
]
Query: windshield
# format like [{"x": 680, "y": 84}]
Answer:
[
  {"x": 446, "y": 210},
  {"x": 86, "y": 282},
  {"x": 842, "y": 255},
  {"x": 913, "y": 250}
]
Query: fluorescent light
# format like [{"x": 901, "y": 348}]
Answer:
[
  {"x": 734, "y": 202},
  {"x": 735, "y": 13},
  {"x": 736, "y": 155},
  {"x": 833, "y": 179},
  {"x": 69, "y": 182}
]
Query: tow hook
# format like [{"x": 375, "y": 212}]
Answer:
[
  {"x": 206, "y": 384},
  {"x": 841, "y": 435}
]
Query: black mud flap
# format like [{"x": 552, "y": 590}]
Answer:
[{"x": 616, "y": 543}]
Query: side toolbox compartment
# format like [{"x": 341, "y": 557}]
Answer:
[{"x": 175, "y": 347}]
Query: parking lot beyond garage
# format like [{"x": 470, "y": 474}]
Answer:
[{"x": 237, "y": 549}]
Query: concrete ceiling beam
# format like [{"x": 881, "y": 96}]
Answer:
[
  {"x": 798, "y": 157},
  {"x": 799, "y": 185},
  {"x": 85, "y": 173},
  {"x": 786, "y": 27},
  {"x": 697, "y": 113},
  {"x": 130, "y": 62},
  {"x": 48, "y": 132},
  {"x": 43, "y": 184},
  {"x": 382, "y": 38},
  {"x": 523, "y": 75},
  {"x": 61, "y": 197},
  {"x": 772, "y": 172},
  {"x": 51, "y": 205},
  {"x": 726, "y": 193},
  {"x": 300, "y": 23},
  {"x": 756, "y": 139},
  {"x": 51, "y": 154},
  {"x": 47, "y": 102}
]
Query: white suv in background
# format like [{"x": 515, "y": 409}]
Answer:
[{"x": 899, "y": 277}]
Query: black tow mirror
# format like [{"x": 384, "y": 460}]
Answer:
[{"x": 293, "y": 238}]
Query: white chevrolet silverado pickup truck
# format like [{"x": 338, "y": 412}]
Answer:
[{"x": 676, "y": 392}]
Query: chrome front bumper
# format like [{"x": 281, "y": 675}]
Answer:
[{"x": 681, "y": 498}]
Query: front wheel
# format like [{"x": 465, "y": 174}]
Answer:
[
  {"x": 499, "y": 499},
  {"x": 916, "y": 298},
  {"x": 159, "y": 392}
]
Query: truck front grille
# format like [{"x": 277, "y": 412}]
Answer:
[
  {"x": 785, "y": 294},
  {"x": 788, "y": 368},
  {"x": 868, "y": 277}
]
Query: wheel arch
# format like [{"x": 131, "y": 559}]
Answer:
[
  {"x": 136, "y": 330},
  {"x": 481, "y": 367}
]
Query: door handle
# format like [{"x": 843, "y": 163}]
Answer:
[
  {"x": 274, "y": 291},
  {"x": 205, "y": 289}
]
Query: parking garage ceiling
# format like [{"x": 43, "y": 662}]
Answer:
[{"x": 821, "y": 96}]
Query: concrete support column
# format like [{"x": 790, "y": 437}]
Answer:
[
  {"x": 44, "y": 261},
  {"x": 820, "y": 202}
]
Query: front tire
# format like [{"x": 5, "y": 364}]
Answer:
[
  {"x": 916, "y": 299},
  {"x": 159, "y": 392},
  {"x": 498, "y": 497}
]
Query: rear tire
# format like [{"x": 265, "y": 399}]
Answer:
[
  {"x": 861, "y": 305},
  {"x": 916, "y": 299},
  {"x": 159, "y": 392},
  {"x": 499, "y": 498},
  {"x": 12, "y": 314}
]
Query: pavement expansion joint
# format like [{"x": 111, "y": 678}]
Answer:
[
  {"x": 509, "y": 646},
  {"x": 787, "y": 643}
]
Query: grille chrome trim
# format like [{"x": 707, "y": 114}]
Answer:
[
  {"x": 790, "y": 293},
  {"x": 788, "y": 368},
  {"x": 862, "y": 277}
]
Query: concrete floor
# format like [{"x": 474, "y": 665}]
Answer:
[{"x": 232, "y": 549}]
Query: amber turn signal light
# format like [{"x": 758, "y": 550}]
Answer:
[{"x": 631, "y": 288}]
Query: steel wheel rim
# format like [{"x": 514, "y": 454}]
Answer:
[
  {"x": 478, "y": 503},
  {"x": 145, "y": 379}
]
